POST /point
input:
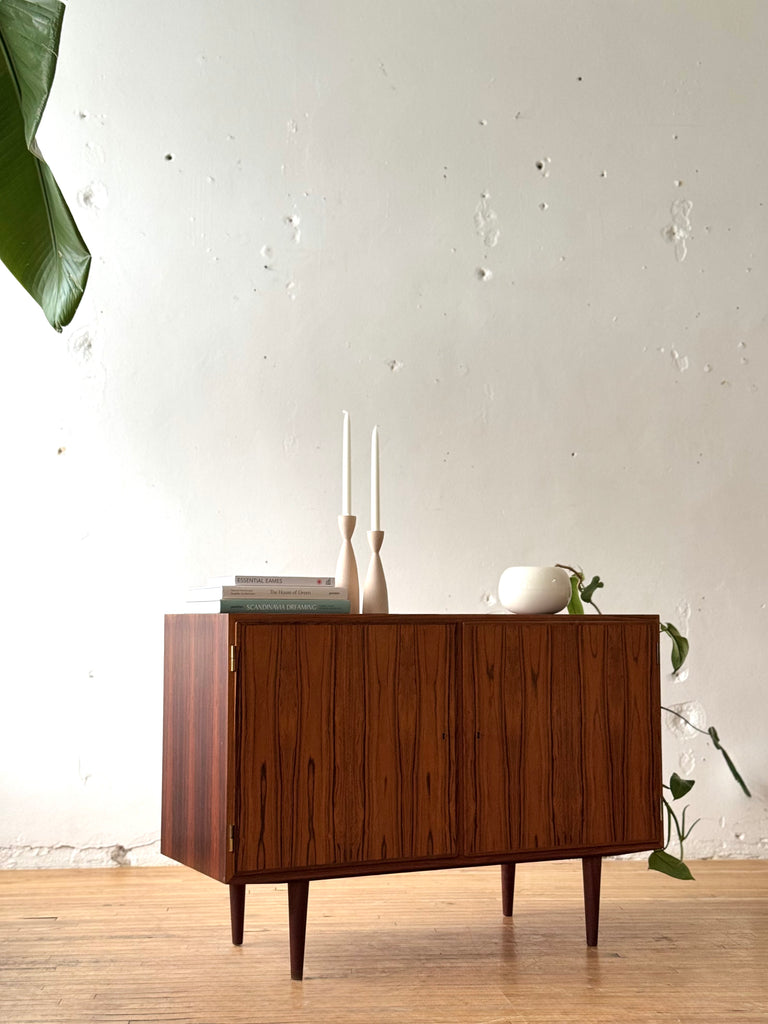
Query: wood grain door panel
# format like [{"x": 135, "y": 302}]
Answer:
[
  {"x": 345, "y": 744},
  {"x": 560, "y": 736}
]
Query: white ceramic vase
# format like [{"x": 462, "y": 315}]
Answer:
[{"x": 534, "y": 589}]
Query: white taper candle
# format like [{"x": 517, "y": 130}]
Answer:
[
  {"x": 375, "y": 502},
  {"x": 346, "y": 479}
]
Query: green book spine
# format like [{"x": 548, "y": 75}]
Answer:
[{"x": 273, "y": 606}]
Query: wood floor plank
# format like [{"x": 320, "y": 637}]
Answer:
[{"x": 145, "y": 945}]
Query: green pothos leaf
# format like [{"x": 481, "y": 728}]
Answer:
[
  {"x": 587, "y": 592},
  {"x": 575, "y": 607},
  {"x": 679, "y": 787},
  {"x": 679, "y": 645},
  {"x": 718, "y": 746},
  {"x": 664, "y": 862}
]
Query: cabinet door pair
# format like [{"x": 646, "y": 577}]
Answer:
[{"x": 402, "y": 742}]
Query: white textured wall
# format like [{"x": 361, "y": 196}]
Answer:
[{"x": 528, "y": 238}]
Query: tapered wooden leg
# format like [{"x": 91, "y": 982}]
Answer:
[
  {"x": 298, "y": 895},
  {"x": 591, "y": 868},
  {"x": 237, "y": 911},
  {"x": 507, "y": 888}
]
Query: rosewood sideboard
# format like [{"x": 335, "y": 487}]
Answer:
[{"x": 306, "y": 747}]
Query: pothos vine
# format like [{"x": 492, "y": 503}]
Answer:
[{"x": 675, "y": 826}]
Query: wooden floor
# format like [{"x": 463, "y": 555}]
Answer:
[{"x": 152, "y": 944}]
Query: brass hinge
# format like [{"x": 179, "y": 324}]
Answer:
[
  {"x": 232, "y": 657},
  {"x": 231, "y": 838}
]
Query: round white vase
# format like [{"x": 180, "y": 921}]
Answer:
[{"x": 534, "y": 589}]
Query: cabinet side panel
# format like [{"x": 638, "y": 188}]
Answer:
[{"x": 195, "y": 717}]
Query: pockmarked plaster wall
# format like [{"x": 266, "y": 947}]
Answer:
[{"x": 527, "y": 239}]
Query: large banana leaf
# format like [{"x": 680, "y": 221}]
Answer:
[{"x": 39, "y": 241}]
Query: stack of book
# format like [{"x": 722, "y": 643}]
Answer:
[{"x": 317, "y": 595}]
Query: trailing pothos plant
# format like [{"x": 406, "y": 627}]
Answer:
[
  {"x": 676, "y": 828},
  {"x": 39, "y": 240}
]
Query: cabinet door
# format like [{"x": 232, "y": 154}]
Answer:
[
  {"x": 345, "y": 750},
  {"x": 561, "y": 736}
]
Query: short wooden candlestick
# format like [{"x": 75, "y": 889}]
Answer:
[
  {"x": 375, "y": 597},
  {"x": 346, "y": 566}
]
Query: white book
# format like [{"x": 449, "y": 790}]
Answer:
[
  {"x": 239, "y": 580},
  {"x": 274, "y": 591}
]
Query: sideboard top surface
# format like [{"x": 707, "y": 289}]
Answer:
[{"x": 421, "y": 617}]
